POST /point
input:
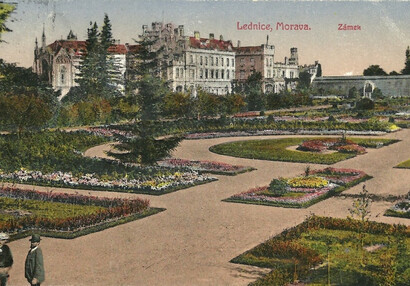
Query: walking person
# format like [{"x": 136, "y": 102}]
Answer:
[
  {"x": 34, "y": 267},
  {"x": 6, "y": 259}
]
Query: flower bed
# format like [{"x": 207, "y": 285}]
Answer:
[
  {"x": 206, "y": 166},
  {"x": 400, "y": 209},
  {"x": 340, "y": 145},
  {"x": 303, "y": 252},
  {"x": 66, "y": 215},
  {"x": 302, "y": 192},
  {"x": 157, "y": 184}
]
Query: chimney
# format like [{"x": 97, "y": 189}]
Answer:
[
  {"x": 239, "y": 44},
  {"x": 196, "y": 35},
  {"x": 144, "y": 28},
  {"x": 267, "y": 40},
  {"x": 221, "y": 38},
  {"x": 211, "y": 36}
]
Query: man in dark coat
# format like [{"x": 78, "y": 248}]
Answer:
[
  {"x": 34, "y": 267},
  {"x": 6, "y": 259}
]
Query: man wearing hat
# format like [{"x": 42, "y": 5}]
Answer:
[
  {"x": 6, "y": 259},
  {"x": 34, "y": 267}
]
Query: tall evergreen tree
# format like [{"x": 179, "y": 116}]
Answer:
[
  {"x": 406, "y": 69},
  {"x": 99, "y": 70},
  {"x": 149, "y": 91},
  {"x": 89, "y": 76}
]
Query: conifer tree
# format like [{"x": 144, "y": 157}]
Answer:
[
  {"x": 149, "y": 91},
  {"x": 406, "y": 69}
]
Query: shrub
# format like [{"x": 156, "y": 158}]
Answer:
[{"x": 278, "y": 187}]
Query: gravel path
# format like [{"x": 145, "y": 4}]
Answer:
[{"x": 192, "y": 242}]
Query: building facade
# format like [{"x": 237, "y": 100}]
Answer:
[
  {"x": 275, "y": 75},
  {"x": 58, "y": 63}
]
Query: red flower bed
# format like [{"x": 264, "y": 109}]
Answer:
[
  {"x": 113, "y": 209},
  {"x": 320, "y": 145}
]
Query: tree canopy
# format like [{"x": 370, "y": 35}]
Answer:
[
  {"x": 5, "y": 10},
  {"x": 374, "y": 70},
  {"x": 406, "y": 69}
]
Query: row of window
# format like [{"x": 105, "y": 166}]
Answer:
[
  {"x": 212, "y": 61},
  {"x": 242, "y": 74},
  {"x": 205, "y": 74},
  {"x": 269, "y": 61}
]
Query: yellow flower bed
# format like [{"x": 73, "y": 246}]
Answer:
[{"x": 307, "y": 182}]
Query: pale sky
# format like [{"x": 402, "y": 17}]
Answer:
[{"x": 382, "y": 39}]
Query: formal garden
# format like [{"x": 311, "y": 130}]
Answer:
[
  {"x": 303, "y": 150},
  {"x": 64, "y": 215},
  {"x": 331, "y": 251},
  {"x": 55, "y": 159},
  {"x": 302, "y": 191}
]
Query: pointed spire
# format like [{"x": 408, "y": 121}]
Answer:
[{"x": 43, "y": 37}]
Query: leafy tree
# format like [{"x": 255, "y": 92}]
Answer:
[
  {"x": 234, "y": 103},
  {"x": 177, "y": 104},
  {"x": 365, "y": 104},
  {"x": 374, "y": 70},
  {"x": 377, "y": 93},
  {"x": 406, "y": 69},
  {"x": 25, "y": 100},
  {"x": 304, "y": 80},
  {"x": 5, "y": 10},
  {"x": 253, "y": 90},
  {"x": 393, "y": 73}
]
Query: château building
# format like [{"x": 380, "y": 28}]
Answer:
[
  {"x": 275, "y": 75},
  {"x": 58, "y": 63}
]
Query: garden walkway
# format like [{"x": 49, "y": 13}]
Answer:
[{"x": 192, "y": 242}]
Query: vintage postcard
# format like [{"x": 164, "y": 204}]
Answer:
[{"x": 193, "y": 142}]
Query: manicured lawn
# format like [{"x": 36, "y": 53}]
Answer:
[
  {"x": 322, "y": 250},
  {"x": 404, "y": 165},
  {"x": 64, "y": 215},
  {"x": 275, "y": 150}
]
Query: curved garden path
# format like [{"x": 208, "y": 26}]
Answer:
[{"x": 192, "y": 242}]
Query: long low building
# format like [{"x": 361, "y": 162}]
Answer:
[{"x": 391, "y": 86}]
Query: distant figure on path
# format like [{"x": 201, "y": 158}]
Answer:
[
  {"x": 34, "y": 268},
  {"x": 6, "y": 259}
]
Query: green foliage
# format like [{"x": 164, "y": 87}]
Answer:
[
  {"x": 374, "y": 70},
  {"x": 25, "y": 101},
  {"x": 141, "y": 147},
  {"x": 406, "y": 69},
  {"x": 5, "y": 10},
  {"x": 255, "y": 98},
  {"x": 365, "y": 104},
  {"x": 177, "y": 104},
  {"x": 47, "y": 151},
  {"x": 99, "y": 72},
  {"x": 304, "y": 80},
  {"x": 334, "y": 240},
  {"x": 278, "y": 187}
]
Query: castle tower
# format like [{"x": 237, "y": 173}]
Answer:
[{"x": 293, "y": 60}]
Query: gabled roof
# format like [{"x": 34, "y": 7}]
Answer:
[
  {"x": 81, "y": 46},
  {"x": 210, "y": 44}
]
